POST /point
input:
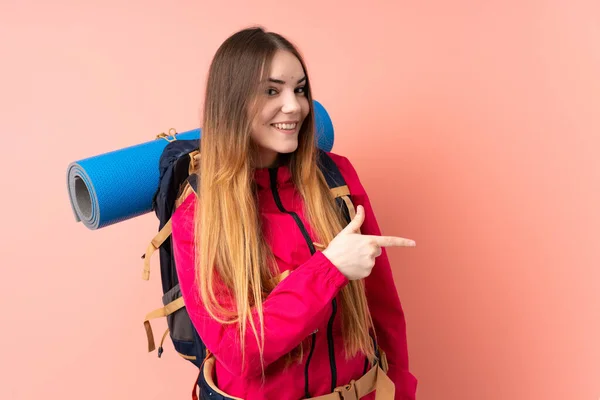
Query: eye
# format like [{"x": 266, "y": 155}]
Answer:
[
  {"x": 301, "y": 90},
  {"x": 271, "y": 91}
]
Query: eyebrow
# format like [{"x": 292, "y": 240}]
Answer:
[{"x": 283, "y": 82}]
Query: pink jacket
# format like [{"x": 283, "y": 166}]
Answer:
[{"x": 300, "y": 305}]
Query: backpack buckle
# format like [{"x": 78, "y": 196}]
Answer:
[
  {"x": 347, "y": 392},
  {"x": 172, "y": 132},
  {"x": 194, "y": 160},
  {"x": 383, "y": 362}
]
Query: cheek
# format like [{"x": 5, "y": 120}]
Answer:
[
  {"x": 260, "y": 123},
  {"x": 267, "y": 115},
  {"x": 260, "y": 127}
]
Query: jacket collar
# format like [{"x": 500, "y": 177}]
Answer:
[{"x": 262, "y": 176}]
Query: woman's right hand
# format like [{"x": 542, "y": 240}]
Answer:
[{"x": 354, "y": 254}]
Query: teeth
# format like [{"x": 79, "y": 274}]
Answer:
[{"x": 285, "y": 126}]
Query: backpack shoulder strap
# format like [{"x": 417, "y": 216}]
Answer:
[{"x": 337, "y": 184}]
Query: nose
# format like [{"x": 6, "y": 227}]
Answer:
[{"x": 290, "y": 103}]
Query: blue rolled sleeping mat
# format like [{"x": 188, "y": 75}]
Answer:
[{"x": 119, "y": 185}]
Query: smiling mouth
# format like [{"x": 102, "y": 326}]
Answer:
[{"x": 290, "y": 127}]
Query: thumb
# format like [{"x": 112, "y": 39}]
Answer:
[{"x": 356, "y": 223}]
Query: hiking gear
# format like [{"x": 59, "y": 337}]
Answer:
[
  {"x": 177, "y": 181},
  {"x": 373, "y": 380},
  {"x": 119, "y": 185},
  {"x": 302, "y": 308}
]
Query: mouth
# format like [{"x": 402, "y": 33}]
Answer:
[{"x": 288, "y": 127}]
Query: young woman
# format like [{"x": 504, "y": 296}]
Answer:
[{"x": 290, "y": 300}]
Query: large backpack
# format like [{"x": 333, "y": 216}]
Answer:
[{"x": 176, "y": 181}]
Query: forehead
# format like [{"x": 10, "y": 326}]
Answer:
[{"x": 286, "y": 66}]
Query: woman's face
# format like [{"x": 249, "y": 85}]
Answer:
[{"x": 285, "y": 106}]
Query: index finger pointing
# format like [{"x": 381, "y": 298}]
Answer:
[{"x": 393, "y": 241}]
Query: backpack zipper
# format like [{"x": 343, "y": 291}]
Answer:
[{"x": 311, "y": 247}]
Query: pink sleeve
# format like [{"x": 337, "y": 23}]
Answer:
[
  {"x": 382, "y": 295},
  {"x": 292, "y": 311}
]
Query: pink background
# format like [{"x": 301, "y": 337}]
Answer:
[{"x": 474, "y": 126}]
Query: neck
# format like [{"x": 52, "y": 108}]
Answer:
[{"x": 270, "y": 160}]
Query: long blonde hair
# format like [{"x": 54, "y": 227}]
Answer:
[{"x": 230, "y": 246}]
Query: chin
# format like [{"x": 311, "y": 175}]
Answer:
[{"x": 289, "y": 148}]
